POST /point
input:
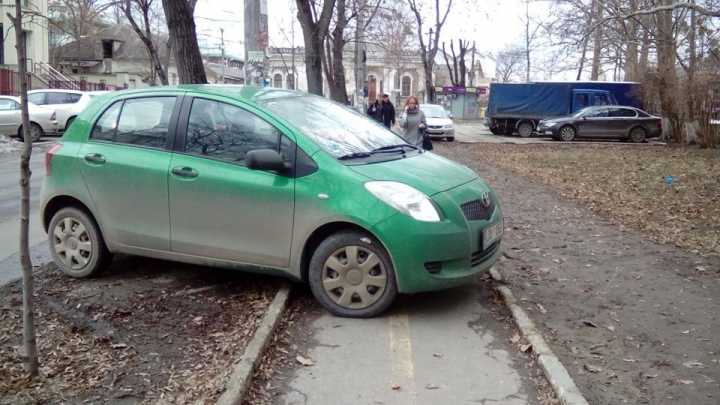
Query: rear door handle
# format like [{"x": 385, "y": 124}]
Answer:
[
  {"x": 95, "y": 158},
  {"x": 184, "y": 171}
]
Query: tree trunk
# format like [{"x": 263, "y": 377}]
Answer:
[
  {"x": 338, "y": 91},
  {"x": 146, "y": 38},
  {"x": 631, "y": 56},
  {"x": 666, "y": 70},
  {"x": 183, "y": 41},
  {"x": 463, "y": 69},
  {"x": 597, "y": 40},
  {"x": 692, "y": 65},
  {"x": 314, "y": 36},
  {"x": 447, "y": 63},
  {"x": 582, "y": 59},
  {"x": 31, "y": 363},
  {"x": 644, "y": 53},
  {"x": 527, "y": 40}
]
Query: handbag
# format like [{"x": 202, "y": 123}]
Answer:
[{"x": 427, "y": 142}]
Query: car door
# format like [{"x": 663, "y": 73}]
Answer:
[
  {"x": 218, "y": 207},
  {"x": 124, "y": 164},
  {"x": 621, "y": 120},
  {"x": 65, "y": 104},
  {"x": 10, "y": 117},
  {"x": 594, "y": 123}
]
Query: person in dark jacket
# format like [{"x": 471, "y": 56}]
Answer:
[
  {"x": 388, "y": 111},
  {"x": 374, "y": 111}
]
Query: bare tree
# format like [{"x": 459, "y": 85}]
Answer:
[
  {"x": 458, "y": 69},
  {"x": 315, "y": 27},
  {"x": 145, "y": 11},
  {"x": 183, "y": 40},
  {"x": 71, "y": 20},
  {"x": 428, "y": 55},
  {"x": 31, "y": 362},
  {"x": 509, "y": 63}
]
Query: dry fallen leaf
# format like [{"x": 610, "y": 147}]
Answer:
[
  {"x": 542, "y": 308},
  {"x": 652, "y": 376},
  {"x": 431, "y": 387},
  {"x": 693, "y": 364},
  {"x": 592, "y": 369},
  {"x": 611, "y": 328},
  {"x": 118, "y": 346},
  {"x": 515, "y": 338},
  {"x": 395, "y": 386},
  {"x": 305, "y": 362},
  {"x": 437, "y": 354},
  {"x": 630, "y": 360},
  {"x": 590, "y": 323},
  {"x": 686, "y": 382}
]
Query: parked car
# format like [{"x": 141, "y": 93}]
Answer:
[
  {"x": 42, "y": 120},
  {"x": 267, "y": 180},
  {"x": 67, "y": 103},
  {"x": 440, "y": 125},
  {"x": 627, "y": 123}
]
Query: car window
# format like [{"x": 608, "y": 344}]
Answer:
[
  {"x": 58, "y": 98},
  {"x": 104, "y": 129},
  {"x": 598, "y": 113},
  {"x": 226, "y": 132},
  {"x": 622, "y": 113},
  {"x": 7, "y": 104},
  {"x": 74, "y": 98},
  {"x": 37, "y": 98},
  {"x": 642, "y": 114},
  {"x": 432, "y": 111},
  {"x": 601, "y": 99},
  {"x": 145, "y": 121}
]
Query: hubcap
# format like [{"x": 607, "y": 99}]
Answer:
[
  {"x": 636, "y": 135},
  {"x": 354, "y": 277},
  {"x": 567, "y": 134},
  {"x": 72, "y": 243}
]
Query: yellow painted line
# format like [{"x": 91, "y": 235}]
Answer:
[{"x": 402, "y": 372}]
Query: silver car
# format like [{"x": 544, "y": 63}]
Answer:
[
  {"x": 42, "y": 120},
  {"x": 439, "y": 123},
  {"x": 67, "y": 103}
]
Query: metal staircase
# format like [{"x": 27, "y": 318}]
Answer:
[{"x": 55, "y": 78}]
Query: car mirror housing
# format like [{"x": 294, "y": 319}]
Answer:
[{"x": 265, "y": 159}]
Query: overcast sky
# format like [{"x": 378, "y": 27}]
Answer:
[{"x": 491, "y": 23}]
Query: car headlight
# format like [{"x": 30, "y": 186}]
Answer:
[
  {"x": 405, "y": 199},
  {"x": 549, "y": 123},
  {"x": 448, "y": 126}
]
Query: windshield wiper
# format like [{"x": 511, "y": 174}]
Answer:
[
  {"x": 354, "y": 155},
  {"x": 393, "y": 147}
]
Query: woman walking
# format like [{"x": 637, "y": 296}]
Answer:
[{"x": 413, "y": 122}]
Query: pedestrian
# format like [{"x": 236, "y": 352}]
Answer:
[
  {"x": 374, "y": 110},
  {"x": 413, "y": 122},
  {"x": 387, "y": 111}
]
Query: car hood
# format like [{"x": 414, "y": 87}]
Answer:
[
  {"x": 560, "y": 119},
  {"x": 439, "y": 121},
  {"x": 427, "y": 172}
]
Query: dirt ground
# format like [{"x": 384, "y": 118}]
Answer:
[
  {"x": 145, "y": 331},
  {"x": 634, "y": 321}
]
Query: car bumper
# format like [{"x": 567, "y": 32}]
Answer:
[
  {"x": 51, "y": 127},
  {"x": 437, "y": 255},
  {"x": 441, "y": 133},
  {"x": 547, "y": 130}
]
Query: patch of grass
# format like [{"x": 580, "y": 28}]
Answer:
[{"x": 627, "y": 183}]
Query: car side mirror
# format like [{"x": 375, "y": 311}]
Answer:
[
  {"x": 584, "y": 118},
  {"x": 265, "y": 159}
]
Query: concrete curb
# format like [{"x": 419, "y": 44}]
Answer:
[
  {"x": 238, "y": 382},
  {"x": 561, "y": 382}
]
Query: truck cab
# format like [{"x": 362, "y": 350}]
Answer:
[{"x": 582, "y": 98}]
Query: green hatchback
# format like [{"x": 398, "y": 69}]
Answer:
[{"x": 266, "y": 180}]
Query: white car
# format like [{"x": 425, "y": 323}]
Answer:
[
  {"x": 42, "y": 120},
  {"x": 67, "y": 103},
  {"x": 440, "y": 124}
]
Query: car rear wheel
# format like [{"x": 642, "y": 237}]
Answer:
[
  {"x": 637, "y": 135},
  {"x": 495, "y": 131},
  {"x": 76, "y": 244},
  {"x": 36, "y": 132},
  {"x": 566, "y": 133},
  {"x": 525, "y": 129},
  {"x": 351, "y": 275}
]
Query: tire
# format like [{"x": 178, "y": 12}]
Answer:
[
  {"x": 637, "y": 135},
  {"x": 495, "y": 131},
  {"x": 36, "y": 131},
  {"x": 567, "y": 133},
  {"x": 73, "y": 231},
  {"x": 69, "y": 122},
  {"x": 525, "y": 130},
  {"x": 451, "y": 139},
  {"x": 336, "y": 251}
]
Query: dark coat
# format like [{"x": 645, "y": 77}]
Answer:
[
  {"x": 374, "y": 112},
  {"x": 388, "y": 114}
]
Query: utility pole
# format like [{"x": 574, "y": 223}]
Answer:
[
  {"x": 256, "y": 40},
  {"x": 360, "y": 62},
  {"x": 222, "y": 54}
]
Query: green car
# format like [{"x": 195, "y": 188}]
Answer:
[{"x": 267, "y": 180}]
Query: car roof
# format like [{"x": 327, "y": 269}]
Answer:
[
  {"x": 11, "y": 98},
  {"x": 251, "y": 94},
  {"x": 57, "y": 91}
]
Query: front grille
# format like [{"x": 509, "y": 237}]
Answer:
[
  {"x": 476, "y": 210},
  {"x": 435, "y": 126},
  {"x": 480, "y": 256}
]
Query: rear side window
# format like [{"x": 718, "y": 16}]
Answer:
[
  {"x": 37, "y": 98},
  {"x": 622, "y": 113},
  {"x": 141, "y": 122},
  {"x": 7, "y": 104}
]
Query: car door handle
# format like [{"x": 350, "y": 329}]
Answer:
[
  {"x": 95, "y": 158},
  {"x": 184, "y": 171}
]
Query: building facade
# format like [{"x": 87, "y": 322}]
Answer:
[{"x": 35, "y": 26}]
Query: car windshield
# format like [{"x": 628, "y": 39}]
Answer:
[
  {"x": 583, "y": 111},
  {"x": 433, "y": 111},
  {"x": 337, "y": 129}
]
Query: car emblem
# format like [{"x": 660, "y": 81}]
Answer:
[{"x": 486, "y": 199}]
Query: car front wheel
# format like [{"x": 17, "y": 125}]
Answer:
[
  {"x": 566, "y": 133},
  {"x": 351, "y": 275},
  {"x": 76, "y": 244},
  {"x": 36, "y": 132}
]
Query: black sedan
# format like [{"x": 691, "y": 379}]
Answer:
[{"x": 617, "y": 122}]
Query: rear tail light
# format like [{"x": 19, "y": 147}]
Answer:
[
  {"x": 659, "y": 123},
  {"x": 53, "y": 117},
  {"x": 48, "y": 158}
]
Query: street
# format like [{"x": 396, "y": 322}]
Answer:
[{"x": 10, "y": 213}]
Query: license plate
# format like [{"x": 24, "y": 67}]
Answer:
[{"x": 493, "y": 233}]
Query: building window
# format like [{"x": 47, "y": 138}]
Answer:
[
  {"x": 107, "y": 49},
  {"x": 291, "y": 81},
  {"x": 405, "y": 89},
  {"x": 277, "y": 81}
]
